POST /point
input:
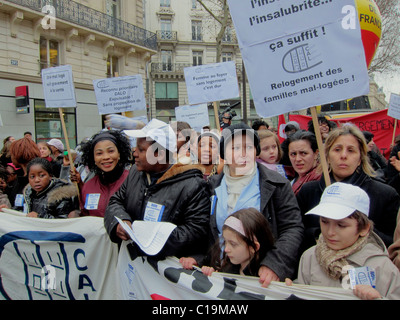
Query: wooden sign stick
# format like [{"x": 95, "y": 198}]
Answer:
[{"x": 321, "y": 147}]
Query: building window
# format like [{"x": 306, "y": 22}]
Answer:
[
  {"x": 166, "y": 90},
  {"x": 226, "y": 56},
  {"x": 227, "y": 35},
  {"x": 166, "y": 29},
  {"x": 194, "y": 4},
  {"x": 49, "y": 53},
  {"x": 166, "y": 60},
  {"x": 48, "y": 123},
  {"x": 197, "y": 58},
  {"x": 166, "y": 100},
  {"x": 196, "y": 31},
  {"x": 165, "y": 3},
  {"x": 113, "y": 8},
  {"x": 112, "y": 66}
]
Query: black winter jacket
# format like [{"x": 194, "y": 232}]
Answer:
[
  {"x": 184, "y": 194},
  {"x": 58, "y": 200},
  {"x": 279, "y": 206},
  {"x": 384, "y": 205}
]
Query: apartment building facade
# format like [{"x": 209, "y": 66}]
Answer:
[
  {"x": 98, "y": 38},
  {"x": 186, "y": 36}
]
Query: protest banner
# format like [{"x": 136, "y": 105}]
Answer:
[
  {"x": 145, "y": 279},
  {"x": 59, "y": 259},
  {"x": 378, "y": 123},
  {"x": 212, "y": 83},
  {"x": 56, "y": 259},
  {"x": 195, "y": 115},
  {"x": 119, "y": 94},
  {"x": 59, "y": 92}
]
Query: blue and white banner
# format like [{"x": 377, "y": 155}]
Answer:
[
  {"x": 74, "y": 259},
  {"x": 60, "y": 259}
]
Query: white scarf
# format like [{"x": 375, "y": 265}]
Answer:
[{"x": 235, "y": 185}]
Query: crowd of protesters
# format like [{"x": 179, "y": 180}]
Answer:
[{"x": 215, "y": 184}]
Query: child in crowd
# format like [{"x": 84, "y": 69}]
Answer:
[
  {"x": 4, "y": 201},
  {"x": 48, "y": 197},
  {"x": 246, "y": 240},
  {"x": 347, "y": 241},
  {"x": 271, "y": 152}
]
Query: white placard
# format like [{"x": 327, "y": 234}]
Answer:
[
  {"x": 211, "y": 82},
  {"x": 394, "y": 106},
  {"x": 195, "y": 115},
  {"x": 58, "y": 87},
  {"x": 300, "y": 54},
  {"x": 120, "y": 94}
]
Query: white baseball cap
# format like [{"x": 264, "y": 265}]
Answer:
[
  {"x": 158, "y": 131},
  {"x": 340, "y": 200}
]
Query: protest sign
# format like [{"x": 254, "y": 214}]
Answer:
[
  {"x": 394, "y": 106},
  {"x": 58, "y": 87},
  {"x": 119, "y": 94},
  {"x": 211, "y": 82},
  {"x": 59, "y": 92},
  {"x": 300, "y": 54},
  {"x": 195, "y": 115},
  {"x": 394, "y": 111}
]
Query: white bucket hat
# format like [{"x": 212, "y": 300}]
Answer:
[
  {"x": 158, "y": 131},
  {"x": 340, "y": 200}
]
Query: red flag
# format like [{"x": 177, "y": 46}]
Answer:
[{"x": 281, "y": 128}]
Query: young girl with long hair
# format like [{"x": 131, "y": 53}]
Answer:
[{"x": 246, "y": 238}]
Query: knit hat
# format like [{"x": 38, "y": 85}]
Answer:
[
  {"x": 56, "y": 143},
  {"x": 236, "y": 129},
  {"x": 340, "y": 200}
]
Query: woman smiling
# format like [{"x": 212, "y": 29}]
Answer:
[{"x": 107, "y": 154}]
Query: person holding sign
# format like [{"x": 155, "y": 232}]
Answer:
[
  {"x": 346, "y": 154},
  {"x": 157, "y": 190},
  {"x": 348, "y": 249},
  {"x": 107, "y": 154},
  {"x": 244, "y": 184}
]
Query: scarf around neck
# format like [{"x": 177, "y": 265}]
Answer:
[
  {"x": 333, "y": 261},
  {"x": 235, "y": 185}
]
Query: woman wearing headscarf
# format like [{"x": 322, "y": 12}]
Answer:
[{"x": 107, "y": 154}]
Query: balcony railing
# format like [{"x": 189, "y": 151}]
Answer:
[
  {"x": 84, "y": 16},
  {"x": 158, "y": 67},
  {"x": 164, "y": 35}
]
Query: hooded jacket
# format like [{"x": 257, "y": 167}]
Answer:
[
  {"x": 56, "y": 201},
  {"x": 278, "y": 204},
  {"x": 185, "y": 198},
  {"x": 373, "y": 254}
]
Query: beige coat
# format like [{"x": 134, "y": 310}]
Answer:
[
  {"x": 373, "y": 254},
  {"x": 394, "y": 249}
]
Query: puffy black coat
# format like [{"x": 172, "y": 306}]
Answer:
[
  {"x": 384, "y": 205},
  {"x": 183, "y": 192},
  {"x": 58, "y": 200}
]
